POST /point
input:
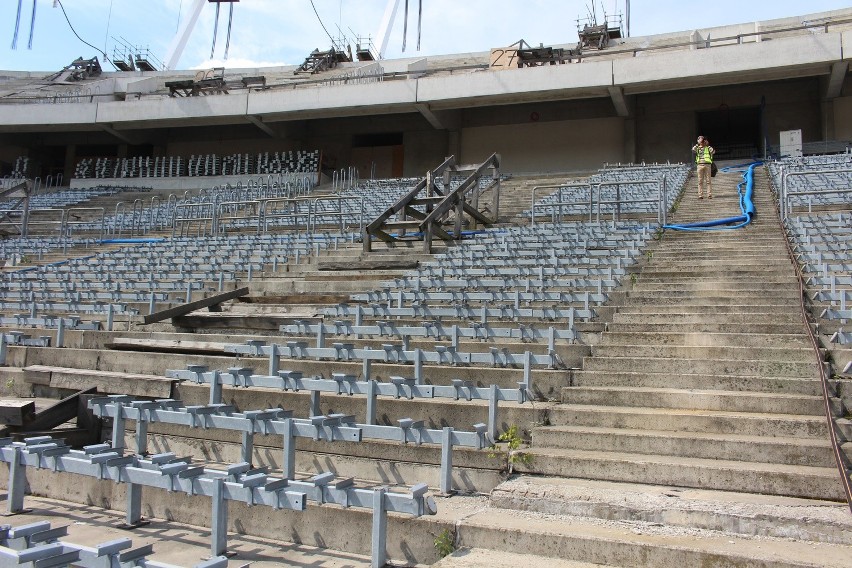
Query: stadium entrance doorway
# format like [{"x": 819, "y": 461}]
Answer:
[
  {"x": 378, "y": 155},
  {"x": 733, "y": 132}
]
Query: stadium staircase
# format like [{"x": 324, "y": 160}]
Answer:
[
  {"x": 694, "y": 433},
  {"x": 686, "y": 430}
]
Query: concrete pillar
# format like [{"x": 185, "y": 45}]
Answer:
[
  {"x": 454, "y": 144},
  {"x": 827, "y": 119},
  {"x": 694, "y": 38},
  {"x": 70, "y": 163},
  {"x": 629, "y": 151}
]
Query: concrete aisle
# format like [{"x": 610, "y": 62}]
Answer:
[{"x": 697, "y": 419}]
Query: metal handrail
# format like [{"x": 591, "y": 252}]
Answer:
[
  {"x": 839, "y": 456},
  {"x": 190, "y": 218},
  {"x": 67, "y": 223},
  {"x": 295, "y": 214},
  {"x": 786, "y": 193},
  {"x": 660, "y": 199},
  {"x": 560, "y": 201},
  {"x": 236, "y": 206},
  {"x": 595, "y": 200},
  {"x": 136, "y": 218},
  {"x": 341, "y": 214},
  {"x": 7, "y": 214},
  {"x": 155, "y": 212}
]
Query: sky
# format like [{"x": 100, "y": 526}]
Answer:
[{"x": 284, "y": 32}]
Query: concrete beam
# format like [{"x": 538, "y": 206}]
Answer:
[
  {"x": 618, "y": 100},
  {"x": 430, "y": 116},
  {"x": 258, "y": 121},
  {"x": 836, "y": 79},
  {"x": 512, "y": 86},
  {"x": 781, "y": 58},
  {"x": 440, "y": 120},
  {"x": 113, "y": 132}
]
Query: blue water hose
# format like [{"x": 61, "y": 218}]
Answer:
[{"x": 745, "y": 190}]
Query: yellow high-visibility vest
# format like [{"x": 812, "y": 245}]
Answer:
[{"x": 703, "y": 155}]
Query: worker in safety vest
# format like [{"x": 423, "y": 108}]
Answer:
[{"x": 704, "y": 159}]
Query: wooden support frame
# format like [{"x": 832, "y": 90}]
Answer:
[
  {"x": 463, "y": 201},
  {"x": 184, "y": 309}
]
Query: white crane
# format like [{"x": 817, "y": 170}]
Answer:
[
  {"x": 180, "y": 40},
  {"x": 182, "y": 36},
  {"x": 385, "y": 28}
]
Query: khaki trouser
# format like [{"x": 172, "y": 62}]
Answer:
[{"x": 704, "y": 180}]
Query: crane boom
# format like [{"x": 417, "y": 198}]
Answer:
[
  {"x": 383, "y": 35},
  {"x": 182, "y": 37}
]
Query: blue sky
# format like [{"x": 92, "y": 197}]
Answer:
[{"x": 275, "y": 32}]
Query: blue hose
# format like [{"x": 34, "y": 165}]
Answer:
[{"x": 746, "y": 205}]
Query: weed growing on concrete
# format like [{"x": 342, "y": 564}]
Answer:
[
  {"x": 512, "y": 454},
  {"x": 445, "y": 543}
]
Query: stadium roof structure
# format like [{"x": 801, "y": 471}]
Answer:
[{"x": 767, "y": 65}]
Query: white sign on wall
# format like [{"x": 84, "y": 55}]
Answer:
[{"x": 791, "y": 143}]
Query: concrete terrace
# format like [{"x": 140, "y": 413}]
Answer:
[{"x": 571, "y": 384}]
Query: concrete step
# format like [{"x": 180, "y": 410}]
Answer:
[
  {"x": 627, "y": 544},
  {"x": 710, "y": 306},
  {"x": 705, "y": 339},
  {"x": 546, "y": 382},
  {"x": 385, "y": 463},
  {"x": 636, "y": 315},
  {"x": 710, "y": 298},
  {"x": 744, "y": 287},
  {"x": 246, "y": 322},
  {"x": 701, "y": 473},
  {"x": 713, "y": 366},
  {"x": 755, "y": 233},
  {"x": 182, "y": 544},
  {"x": 738, "y": 258},
  {"x": 730, "y": 401},
  {"x": 691, "y": 420},
  {"x": 646, "y": 276},
  {"x": 743, "y": 328},
  {"x": 790, "y": 451},
  {"x": 699, "y": 381},
  {"x": 779, "y": 354},
  {"x": 722, "y": 268},
  {"x": 333, "y": 536},
  {"x": 718, "y": 275},
  {"x": 811, "y": 521},
  {"x": 774, "y": 252},
  {"x": 773, "y": 257},
  {"x": 480, "y": 557}
]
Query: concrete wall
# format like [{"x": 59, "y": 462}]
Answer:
[
  {"x": 666, "y": 122},
  {"x": 175, "y": 184},
  {"x": 225, "y": 146},
  {"x": 843, "y": 118},
  {"x": 547, "y": 146},
  {"x": 8, "y": 155},
  {"x": 424, "y": 150}
]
